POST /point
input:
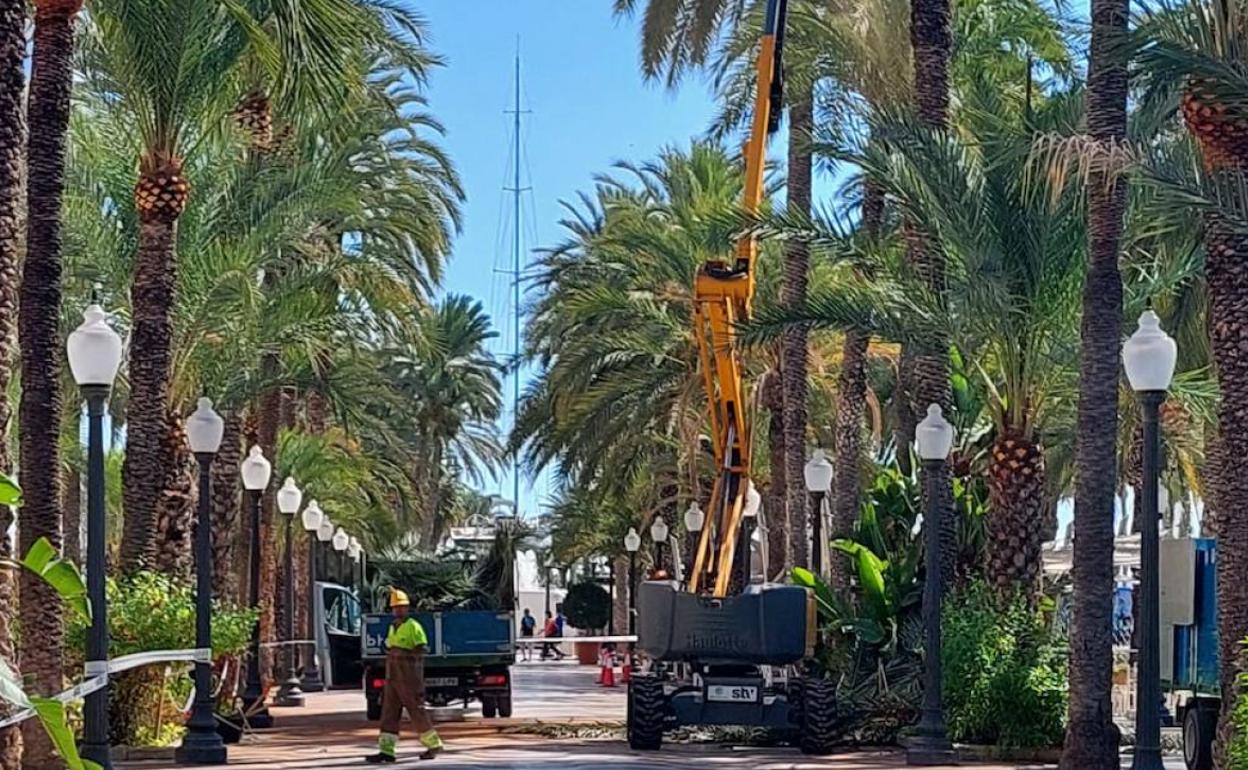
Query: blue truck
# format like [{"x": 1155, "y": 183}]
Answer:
[{"x": 469, "y": 659}]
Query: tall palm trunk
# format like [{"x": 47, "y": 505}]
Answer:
[
  {"x": 1226, "y": 265},
  {"x": 12, "y": 135},
  {"x": 175, "y": 510},
  {"x": 225, "y": 508},
  {"x": 780, "y": 527},
  {"x": 1091, "y": 738},
  {"x": 51, "y": 79},
  {"x": 851, "y": 404},
  {"x": 269, "y": 423},
  {"x": 931, "y": 39},
  {"x": 794, "y": 342},
  {"x": 72, "y": 511},
  {"x": 1016, "y": 517},
  {"x": 160, "y": 198}
]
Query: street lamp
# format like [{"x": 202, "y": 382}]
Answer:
[
  {"x": 289, "y": 498},
  {"x": 749, "y": 520},
  {"x": 356, "y": 551},
  {"x": 934, "y": 439},
  {"x": 818, "y": 473},
  {"x": 1149, "y": 357},
  {"x": 658, "y": 533},
  {"x": 256, "y": 472},
  {"x": 695, "y": 519},
  {"x": 632, "y": 542},
  {"x": 341, "y": 541},
  {"x": 202, "y": 744},
  {"x": 312, "y": 517},
  {"x": 94, "y": 351}
]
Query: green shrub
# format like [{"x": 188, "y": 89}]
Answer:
[
  {"x": 151, "y": 611},
  {"x": 1237, "y": 749},
  {"x": 1004, "y": 674},
  {"x": 587, "y": 606}
]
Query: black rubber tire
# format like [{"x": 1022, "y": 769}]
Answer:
[
  {"x": 489, "y": 706},
  {"x": 1199, "y": 728},
  {"x": 646, "y": 709},
  {"x": 819, "y": 717},
  {"x": 504, "y": 703},
  {"x": 373, "y": 710}
]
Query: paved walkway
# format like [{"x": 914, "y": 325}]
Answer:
[{"x": 330, "y": 732}]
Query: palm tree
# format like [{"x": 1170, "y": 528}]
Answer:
[
  {"x": 171, "y": 70},
  {"x": 40, "y": 339},
  {"x": 453, "y": 389},
  {"x": 1091, "y": 738},
  {"x": 12, "y": 133}
]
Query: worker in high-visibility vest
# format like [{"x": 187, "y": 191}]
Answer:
[{"x": 405, "y": 684}]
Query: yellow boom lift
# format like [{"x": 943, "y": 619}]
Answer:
[{"x": 725, "y": 649}]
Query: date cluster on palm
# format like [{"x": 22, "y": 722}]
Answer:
[
  {"x": 1015, "y": 524},
  {"x": 1221, "y": 129},
  {"x": 162, "y": 192},
  {"x": 254, "y": 117}
]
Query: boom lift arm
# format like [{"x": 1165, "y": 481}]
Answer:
[{"x": 723, "y": 294}]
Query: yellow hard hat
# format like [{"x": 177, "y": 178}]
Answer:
[{"x": 399, "y": 599}]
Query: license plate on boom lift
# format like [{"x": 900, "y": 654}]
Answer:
[{"x": 732, "y": 693}]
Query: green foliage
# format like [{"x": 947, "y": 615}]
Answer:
[
  {"x": 10, "y": 493},
  {"x": 587, "y": 606},
  {"x": 433, "y": 585},
  {"x": 151, "y": 611},
  {"x": 1237, "y": 748},
  {"x": 62, "y": 575},
  {"x": 1005, "y": 675}
]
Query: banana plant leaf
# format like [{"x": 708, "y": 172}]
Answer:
[
  {"x": 10, "y": 492},
  {"x": 62, "y": 575},
  {"x": 871, "y": 570}
]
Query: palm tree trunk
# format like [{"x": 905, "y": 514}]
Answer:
[
  {"x": 12, "y": 135},
  {"x": 1225, "y": 266},
  {"x": 225, "y": 508},
  {"x": 51, "y": 80},
  {"x": 781, "y": 535},
  {"x": 1016, "y": 514},
  {"x": 1091, "y": 738},
  {"x": 795, "y": 351},
  {"x": 72, "y": 508},
  {"x": 151, "y": 360},
  {"x": 851, "y": 404},
  {"x": 931, "y": 39},
  {"x": 270, "y": 416},
  {"x": 174, "y": 512}
]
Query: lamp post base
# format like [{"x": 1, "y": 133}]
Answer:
[
  {"x": 312, "y": 681},
  {"x": 928, "y": 751},
  {"x": 289, "y": 695},
  {"x": 200, "y": 747}
]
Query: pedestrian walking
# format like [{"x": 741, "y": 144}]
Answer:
[
  {"x": 406, "y": 643},
  {"x": 528, "y": 626},
  {"x": 550, "y": 631}
]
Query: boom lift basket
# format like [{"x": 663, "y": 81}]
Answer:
[{"x": 769, "y": 624}]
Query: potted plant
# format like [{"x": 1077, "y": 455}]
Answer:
[{"x": 587, "y": 607}]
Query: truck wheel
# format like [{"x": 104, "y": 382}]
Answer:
[
  {"x": 504, "y": 703},
  {"x": 818, "y": 725},
  {"x": 489, "y": 706},
  {"x": 646, "y": 708},
  {"x": 374, "y": 710},
  {"x": 1199, "y": 726}
]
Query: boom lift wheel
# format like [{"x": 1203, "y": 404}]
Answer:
[
  {"x": 646, "y": 710},
  {"x": 818, "y": 716}
]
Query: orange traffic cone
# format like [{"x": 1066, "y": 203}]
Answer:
[{"x": 608, "y": 669}]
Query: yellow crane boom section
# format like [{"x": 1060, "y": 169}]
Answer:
[{"x": 723, "y": 294}]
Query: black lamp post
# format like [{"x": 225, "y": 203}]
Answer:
[
  {"x": 289, "y": 498},
  {"x": 1149, "y": 357},
  {"x": 94, "y": 351},
  {"x": 312, "y": 516},
  {"x": 318, "y": 569},
  {"x": 632, "y": 542},
  {"x": 818, "y": 476},
  {"x": 341, "y": 542},
  {"x": 695, "y": 519},
  {"x": 934, "y": 439},
  {"x": 256, "y": 472},
  {"x": 355, "y": 552},
  {"x": 202, "y": 745}
]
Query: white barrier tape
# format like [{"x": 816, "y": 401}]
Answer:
[
  {"x": 288, "y": 643},
  {"x": 98, "y": 672},
  {"x": 558, "y": 639}
]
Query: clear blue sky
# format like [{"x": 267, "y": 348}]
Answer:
[{"x": 590, "y": 108}]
